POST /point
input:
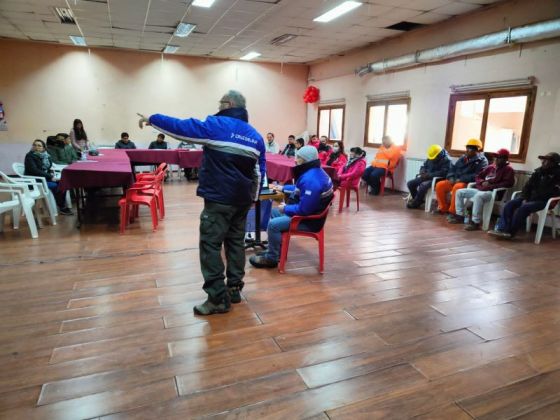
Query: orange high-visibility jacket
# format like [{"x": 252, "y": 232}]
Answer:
[{"x": 387, "y": 157}]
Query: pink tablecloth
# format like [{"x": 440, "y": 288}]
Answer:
[
  {"x": 97, "y": 174},
  {"x": 153, "y": 156},
  {"x": 190, "y": 158},
  {"x": 280, "y": 168}
]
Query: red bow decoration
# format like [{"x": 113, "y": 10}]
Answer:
[{"x": 311, "y": 95}]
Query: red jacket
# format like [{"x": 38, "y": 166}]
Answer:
[
  {"x": 496, "y": 177},
  {"x": 324, "y": 156},
  {"x": 338, "y": 163},
  {"x": 350, "y": 175}
]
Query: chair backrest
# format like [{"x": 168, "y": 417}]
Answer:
[{"x": 19, "y": 168}]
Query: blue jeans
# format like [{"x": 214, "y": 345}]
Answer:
[
  {"x": 279, "y": 223},
  {"x": 59, "y": 196},
  {"x": 515, "y": 213},
  {"x": 373, "y": 176}
]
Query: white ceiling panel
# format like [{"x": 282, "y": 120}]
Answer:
[{"x": 228, "y": 29}]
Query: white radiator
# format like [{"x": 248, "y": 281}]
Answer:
[{"x": 412, "y": 168}]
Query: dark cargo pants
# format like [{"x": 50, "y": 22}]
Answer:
[{"x": 222, "y": 224}]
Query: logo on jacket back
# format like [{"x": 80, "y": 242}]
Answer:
[{"x": 243, "y": 138}]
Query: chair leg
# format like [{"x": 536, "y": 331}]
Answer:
[
  {"x": 31, "y": 221},
  {"x": 284, "y": 251},
  {"x": 428, "y": 201},
  {"x": 37, "y": 214},
  {"x": 124, "y": 217},
  {"x": 2, "y": 221},
  {"x": 487, "y": 214},
  {"x": 540, "y": 226},
  {"x": 153, "y": 210},
  {"x": 357, "y": 199},
  {"x": 553, "y": 223},
  {"x": 16, "y": 215},
  {"x": 321, "y": 240},
  {"x": 529, "y": 222},
  {"x": 348, "y": 192},
  {"x": 161, "y": 204},
  {"x": 382, "y": 185},
  {"x": 45, "y": 205},
  {"x": 341, "y": 201}
]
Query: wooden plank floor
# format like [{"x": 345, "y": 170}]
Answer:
[{"x": 412, "y": 318}]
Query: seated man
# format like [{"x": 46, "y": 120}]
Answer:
[
  {"x": 542, "y": 186},
  {"x": 311, "y": 194},
  {"x": 270, "y": 144},
  {"x": 190, "y": 173},
  {"x": 460, "y": 174},
  {"x": 497, "y": 175},
  {"x": 63, "y": 153},
  {"x": 386, "y": 158},
  {"x": 125, "y": 142},
  {"x": 290, "y": 149},
  {"x": 437, "y": 165},
  {"x": 159, "y": 143}
]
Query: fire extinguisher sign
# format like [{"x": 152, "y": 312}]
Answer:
[{"x": 3, "y": 124}]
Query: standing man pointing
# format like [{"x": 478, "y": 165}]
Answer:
[{"x": 230, "y": 179}]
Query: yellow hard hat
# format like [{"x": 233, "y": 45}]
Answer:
[
  {"x": 433, "y": 151},
  {"x": 474, "y": 142}
]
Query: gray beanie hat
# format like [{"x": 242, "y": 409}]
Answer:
[{"x": 307, "y": 153}]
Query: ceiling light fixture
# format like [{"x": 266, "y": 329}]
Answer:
[
  {"x": 203, "y": 3},
  {"x": 250, "y": 56},
  {"x": 78, "y": 40},
  {"x": 338, "y": 11},
  {"x": 65, "y": 15},
  {"x": 184, "y": 30},
  {"x": 282, "y": 39},
  {"x": 170, "y": 49}
]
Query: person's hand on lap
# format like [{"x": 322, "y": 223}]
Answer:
[{"x": 281, "y": 207}]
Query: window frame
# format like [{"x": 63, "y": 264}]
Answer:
[
  {"x": 387, "y": 103},
  {"x": 487, "y": 95},
  {"x": 330, "y": 108}
]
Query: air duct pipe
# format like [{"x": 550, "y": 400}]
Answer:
[{"x": 521, "y": 34}]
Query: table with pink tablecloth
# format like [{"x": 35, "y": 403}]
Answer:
[
  {"x": 153, "y": 156},
  {"x": 190, "y": 158},
  {"x": 96, "y": 174},
  {"x": 280, "y": 168}
]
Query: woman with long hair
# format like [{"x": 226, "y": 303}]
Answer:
[
  {"x": 337, "y": 158},
  {"x": 79, "y": 136}
]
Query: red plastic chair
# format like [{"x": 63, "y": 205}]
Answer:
[
  {"x": 156, "y": 190},
  {"x": 388, "y": 174},
  {"x": 152, "y": 175},
  {"x": 133, "y": 198},
  {"x": 348, "y": 191},
  {"x": 293, "y": 231}
]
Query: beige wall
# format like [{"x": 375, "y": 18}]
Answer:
[
  {"x": 44, "y": 87},
  {"x": 429, "y": 85}
]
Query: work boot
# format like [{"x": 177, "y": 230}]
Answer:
[
  {"x": 454, "y": 219},
  {"x": 234, "y": 294},
  {"x": 210, "y": 308},
  {"x": 262, "y": 262},
  {"x": 472, "y": 226}
]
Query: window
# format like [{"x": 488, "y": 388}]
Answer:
[
  {"x": 500, "y": 119},
  {"x": 387, "y": 118},
  {"x": 330, "y": 122}
]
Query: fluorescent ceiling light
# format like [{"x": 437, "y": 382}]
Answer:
[
  {"x": 184, "y": 30},
  {"x": 251, "y": 55},
  {"x": 338, "y": 11},
  {"x": 78, "y": 40},
  {"x": 203, "y": 3},
  {"x": 170, "y": 49}
]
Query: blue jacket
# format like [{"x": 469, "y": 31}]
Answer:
[
  {"x": 312, "y": 191},
  {"x": 466, "y": 170},
  {"x": 438, "y": 167},
  {"x": 233, "y": 164}
]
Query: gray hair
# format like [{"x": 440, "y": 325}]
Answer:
[{"x": 235, "y": 98}]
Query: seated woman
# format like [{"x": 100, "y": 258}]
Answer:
[
  {"x": 311, "y": 195},
  {"x": 38, "y": 163},
  {"x": 385, "y": 160},
  {"x": 338, "y": 158},
  {"x": 349, "y": 175}
]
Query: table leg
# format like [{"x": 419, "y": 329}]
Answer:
[
  {"x": 254, "y": 243},
  {"x": 79, "y": 205}
]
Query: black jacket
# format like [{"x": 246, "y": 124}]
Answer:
[
  {"x": 156, "y": 145},
  {"x": 289, "y": 150},
  {"x": 543, "y": 185},
  {"x": 34, "y": 166},
  {"x": 122, "y": 145},
  {"x": 438, "y": 167}
]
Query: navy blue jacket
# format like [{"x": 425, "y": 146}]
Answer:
[
  {"x": 233, "y": 164},
  {"x": 466, "y": 170},
  {"x": 438, "y": 167}
]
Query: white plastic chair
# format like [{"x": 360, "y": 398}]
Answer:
[
  {"x": 19, "y": 169},
  {"x": 57, "y": 169},
  {"x": 488, "y": 207},
  {"x": 33, "y": 191},
  {"x": 20, "y": 200},
  {"x": 552, "y": 209},
  {"x": 431, "y": 194}
]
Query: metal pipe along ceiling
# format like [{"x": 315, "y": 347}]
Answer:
[{"x": 534, "y": 32}]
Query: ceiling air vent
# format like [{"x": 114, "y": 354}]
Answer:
[
  {"x": 405, "y": 26},
  {"x": 65, "y": 15},
  {"x": 282, "y": 39}
]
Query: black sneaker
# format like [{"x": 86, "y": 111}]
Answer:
[
  {"x": 412, "y": 205},
  {"x": 209, "y": 308},
  {"x": 472, "y": 226},
  {"x": 66, "y": 211},
  {"x": 262, "y": 262},
  {"x": 454, "y": 219},
  {"x": 234, "y": 294}
]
